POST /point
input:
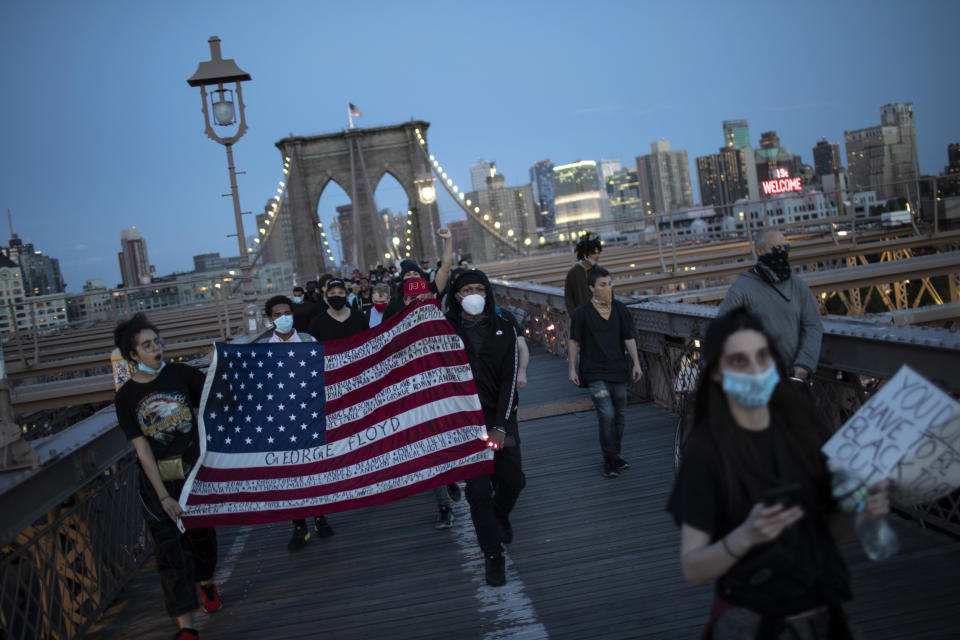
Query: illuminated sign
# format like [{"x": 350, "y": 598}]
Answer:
[{"x": 781, "y": 183}]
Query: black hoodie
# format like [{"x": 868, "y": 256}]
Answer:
[{"x": 496, "y": 366}]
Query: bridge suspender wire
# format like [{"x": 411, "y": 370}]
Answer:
[
  {"x": 379, "y": 236},
  {"x": 276, "y": 207},
  {"x": 459, "y": 197}
]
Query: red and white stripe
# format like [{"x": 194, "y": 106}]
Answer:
[{"x": 403, "y": 417}]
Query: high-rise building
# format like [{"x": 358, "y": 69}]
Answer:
[
  {"x": 213, "y": 262},
  {"x": 134, "y": 263},
  {"x": 736, "y": 134},
  {"x": 724, "y": 177},
  {"x": 884, "y": 158},
  {"x": 623, "y": 193},
  {"x": 826, "y": 158},
  {"x": 953, "y": 159},
  {"x": 345, "y": 219},
  {"x": 606, "y": 168},
  {"x": 541, "y": 180},
  {"x": 480, "y": 172},
  {"x": 771, "y": 157},
  {"x": 460, "y": 237},
  {"x": 277, "y": 239},
  {"x": 43, "y": 311},
  {"x": 394, "y": 228},
  {"x": 664, "y": 179},
  {"x": 577, "y": 193},
  {"x": 509, "y": 210},
  {"x": 41, "y": 274}
]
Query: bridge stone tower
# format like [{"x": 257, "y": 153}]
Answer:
[{"x": 357, "y": 159}]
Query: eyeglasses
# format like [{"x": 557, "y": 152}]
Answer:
[{"x": 152, "y": 345}]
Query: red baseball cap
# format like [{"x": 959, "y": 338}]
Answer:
[{"x": 412, "y": 287}]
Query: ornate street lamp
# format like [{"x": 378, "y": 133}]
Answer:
[
  {"x": 425, "y": 190},
  {"x": 218, "y": 72}
]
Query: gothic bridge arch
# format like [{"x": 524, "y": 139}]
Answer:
[{"x": 357, "y": 160}]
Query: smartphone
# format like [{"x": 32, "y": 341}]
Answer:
[{"x": 786, "y": 495}]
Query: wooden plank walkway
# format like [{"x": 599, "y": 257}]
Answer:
[{"x": 593, "y": 558}]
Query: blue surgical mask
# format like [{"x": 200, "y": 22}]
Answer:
[
  {"x": 283, "y": 324},
  {"x": 751, "y": 390},
  {"x": 298, "y": 299},
  {"x": 151, "y": 371}
]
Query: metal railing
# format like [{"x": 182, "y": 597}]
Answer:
[
  {"x": 856, "y": 358},
  {"x": 60, "y": 573},
  {"x": 72, "y": 532}
]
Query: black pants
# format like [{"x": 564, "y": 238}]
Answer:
[
  {"x": 183, "y": 559},
  {"x": 495, "y": 492}
]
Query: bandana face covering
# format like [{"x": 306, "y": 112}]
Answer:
[
  {"x": 601, "y": 301},
  {"x": 775, "y": 266},
  {"x": 604, "y": 295}
]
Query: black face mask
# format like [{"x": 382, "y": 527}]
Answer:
[
  {"x": 337, "y": 302},
  {"x": 775, "y": 266}
]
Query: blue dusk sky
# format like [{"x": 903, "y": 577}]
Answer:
[{"x": 100, "y": 130}]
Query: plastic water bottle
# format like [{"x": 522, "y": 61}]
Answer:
[{"x": 877, "y": 537}]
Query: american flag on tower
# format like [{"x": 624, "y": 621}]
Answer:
[
  {"x": 354, "y": 112},
  {"x": 296, "y": 430}
]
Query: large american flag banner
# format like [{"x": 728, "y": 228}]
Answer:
[{"x": 297, "y": 430}]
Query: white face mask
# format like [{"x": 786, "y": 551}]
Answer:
[
  {"x": 473, "y": 304},
  {"x": 283, "y": 324}
]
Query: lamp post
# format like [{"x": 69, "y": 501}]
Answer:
[
  {"x": 427, "y": 193},
  {"x": 218, "y": 72}
]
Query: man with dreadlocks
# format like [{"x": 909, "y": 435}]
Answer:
[{"x": 575, "y": 289}]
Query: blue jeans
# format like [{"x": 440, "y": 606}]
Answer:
[
  {"x": 610, "y": 399},
  {"x": 443, "y": 498}
]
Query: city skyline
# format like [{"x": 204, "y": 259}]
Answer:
[{"x": 105, "y": 134}]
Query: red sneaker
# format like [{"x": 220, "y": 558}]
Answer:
[
  {"x": 211, "y": 599},
  {"x": 187, "y": 634}
]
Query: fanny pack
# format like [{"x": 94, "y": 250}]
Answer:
[{"x": 172, "y": 469}]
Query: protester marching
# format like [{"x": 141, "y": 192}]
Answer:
[
  {"x": 602, "y": 356},
  {"x": 155, "y": 409},
  {"x": 373, "y": 387},
  {"x": 753, "y": 496}
]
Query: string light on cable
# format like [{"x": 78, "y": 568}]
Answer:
[
  {"x": 460, "y": 198},
  {"x": 271, "y": 212}
]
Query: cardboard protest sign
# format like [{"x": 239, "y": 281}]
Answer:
[
  {"x": 933, "y": 469},
  {"x": 908, "y": 431}
]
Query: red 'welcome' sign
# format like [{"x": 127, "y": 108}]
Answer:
[{"x": 781, "y": 183}]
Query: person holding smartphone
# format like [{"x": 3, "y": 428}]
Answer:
[{"x": 752, "y": 496}]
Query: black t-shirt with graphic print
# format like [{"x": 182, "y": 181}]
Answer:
[{"x": 162, "y": 411}]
